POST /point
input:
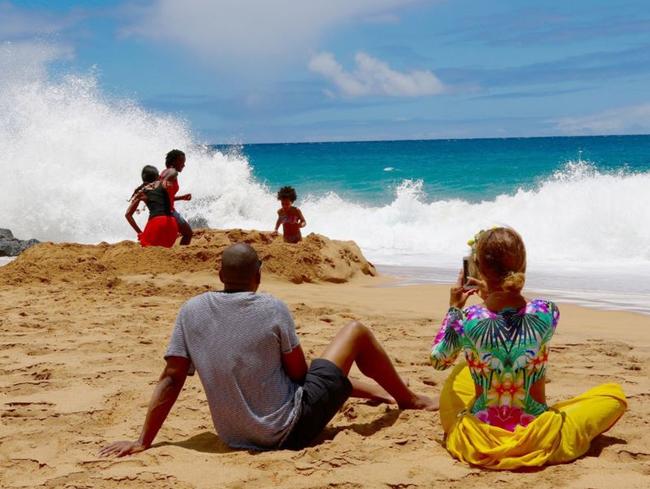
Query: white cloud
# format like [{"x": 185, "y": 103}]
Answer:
[
  {"x": 623, "y": 120},
  {"x": 373, "y": 76},
  {"x": 250, "y": 30},
  {"x": 16, "y": 23},
  {"x": 31, "y": 39}
]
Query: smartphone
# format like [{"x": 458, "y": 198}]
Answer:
[{"x": 467, "y": 264}]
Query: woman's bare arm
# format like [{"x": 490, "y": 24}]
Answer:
[{"x": 131, "y": 210}]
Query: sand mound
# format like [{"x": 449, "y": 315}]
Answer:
[{"x": 315, "y": 259}]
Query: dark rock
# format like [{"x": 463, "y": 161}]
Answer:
[
  {"x": 197, "y": 222},
  {"x": 10, "y": 246}
]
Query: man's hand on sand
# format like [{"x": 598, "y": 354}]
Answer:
[{"x": 122, "y": 448}]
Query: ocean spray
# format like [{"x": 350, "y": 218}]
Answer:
[{"x": 71, "y": 156}]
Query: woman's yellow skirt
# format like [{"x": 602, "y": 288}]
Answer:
[{"x": 559, "y": 435}]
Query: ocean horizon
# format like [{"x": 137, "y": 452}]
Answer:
[{"x": 224, "y": 144}]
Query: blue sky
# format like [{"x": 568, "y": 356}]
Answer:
[{"x": 288, "y": 70}]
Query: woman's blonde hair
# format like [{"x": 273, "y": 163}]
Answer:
[{"x": 501, "y": 258}]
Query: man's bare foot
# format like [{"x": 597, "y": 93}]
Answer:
[
  {"x": 387, "y": 399},
  {"x": 371, "y": 391},
  {"x": 421, "y": 402}
]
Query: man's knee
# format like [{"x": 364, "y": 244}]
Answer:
[{"x": 358, "y": 329}]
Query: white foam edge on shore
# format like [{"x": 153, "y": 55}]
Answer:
[
  {"x": 6, "y": 259},
  {"x": 537, "y": 286}
]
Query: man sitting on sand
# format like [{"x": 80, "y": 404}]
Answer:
[{"x": 260, "y": 392}]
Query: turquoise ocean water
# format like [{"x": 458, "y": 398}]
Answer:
[
  {"x": 581, "y": 203},
  {"x": 475, "y": 169}
]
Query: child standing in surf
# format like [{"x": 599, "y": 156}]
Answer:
[{"x": 289, "y": 216}]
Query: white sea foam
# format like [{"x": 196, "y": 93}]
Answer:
[
  {"x": 5, "y": 259},
  {"x": 71, "y": 156},
  {"x": 580, "y": 217}
]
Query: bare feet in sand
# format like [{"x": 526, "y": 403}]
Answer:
[{"x": 422, "y": 402}]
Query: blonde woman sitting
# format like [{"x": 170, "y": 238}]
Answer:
[{"x": 493, "y": 407}]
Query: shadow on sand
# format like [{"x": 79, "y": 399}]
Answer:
[
  {"x": 208, "y": 442},
  {"x": 364, "y": 429}
]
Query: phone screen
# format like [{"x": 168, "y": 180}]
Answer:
[{"x": 466, "y": 273}]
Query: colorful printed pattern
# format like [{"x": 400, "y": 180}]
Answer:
[{"x": 506, "y": 353}]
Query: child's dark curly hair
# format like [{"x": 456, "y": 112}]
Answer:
[{"x": 287, "y": 193}]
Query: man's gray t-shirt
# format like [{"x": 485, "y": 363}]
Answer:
[{"x": 235, "y": 342}]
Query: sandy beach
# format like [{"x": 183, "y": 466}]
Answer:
[{"x": 84, "y": 329}]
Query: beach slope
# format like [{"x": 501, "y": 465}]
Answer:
[{"x": 84, "y": 329}]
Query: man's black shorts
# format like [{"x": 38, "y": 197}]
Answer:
[{"x": 325, "y": 390}]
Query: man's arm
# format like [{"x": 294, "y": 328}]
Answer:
[
  {"x": 295, "y": 365},
  {"x": 163, "y": 398}
]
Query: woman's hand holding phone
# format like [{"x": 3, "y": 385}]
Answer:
[
  {"x": 479, "y": 286},
  {"x": 459, "y": 294}
]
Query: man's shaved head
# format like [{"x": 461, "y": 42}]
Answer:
[{"x": 240, "y": 266}]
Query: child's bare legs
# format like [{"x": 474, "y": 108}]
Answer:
[{"x": 356, "y": 343}]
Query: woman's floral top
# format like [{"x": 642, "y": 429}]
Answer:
[{"x": 506, "y": 353}]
